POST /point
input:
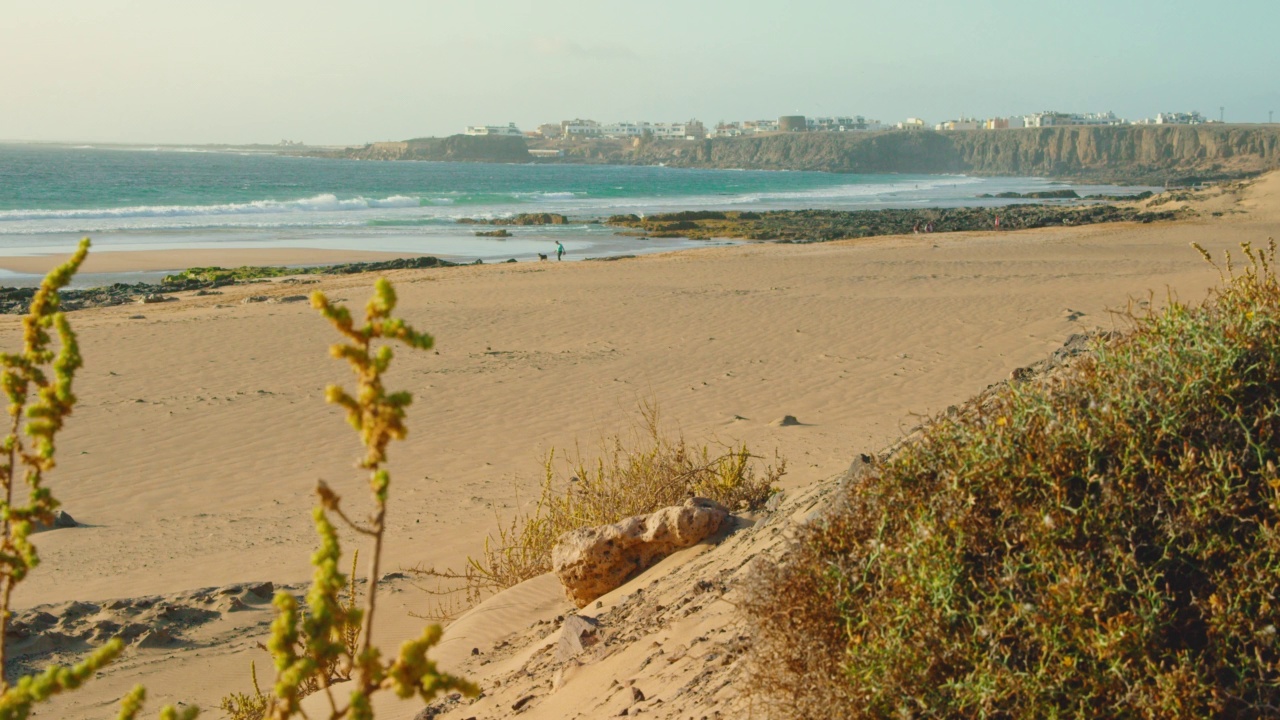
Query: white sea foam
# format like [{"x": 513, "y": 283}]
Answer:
[{"x": 326, "y": 202}]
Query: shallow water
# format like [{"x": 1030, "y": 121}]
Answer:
[{"x": 154, "y": 199}]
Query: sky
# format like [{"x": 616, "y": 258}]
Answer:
[{"x": 330, "y": 72}]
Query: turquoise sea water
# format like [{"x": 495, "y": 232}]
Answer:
[{"x": 153, "y": 198}]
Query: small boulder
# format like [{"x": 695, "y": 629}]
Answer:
[
  {"x": 592, "y": 561},
  {"x": 156, "y": 638},
  {"x": 785, "y": 421},
  {"x": 576, "y": 635},
  {"x": 264, "y": 590},
  {"x": 61, "y": 519}
]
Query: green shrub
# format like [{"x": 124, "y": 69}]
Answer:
[{"x": 1100, "y": 543}]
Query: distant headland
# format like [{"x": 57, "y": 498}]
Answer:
[{"x": 1154, "y": 154}]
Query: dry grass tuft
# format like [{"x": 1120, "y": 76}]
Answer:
[
  {"x": 634, "y": 475},
  {"x": 1102, "y": 543}
]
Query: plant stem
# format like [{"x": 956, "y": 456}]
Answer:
[
  {"x": 371, "y": 594},
  {"x": 8, "y": 529}
]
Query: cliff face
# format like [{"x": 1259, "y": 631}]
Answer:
[
  {"x": 1150, "y": 153},
  {"x": 1133, "y": 154},
  {"x": 924, "y": 152},
  {"x": 1128, "y": 154}
]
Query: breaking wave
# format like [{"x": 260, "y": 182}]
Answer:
[{"x": 326, "y": 202}]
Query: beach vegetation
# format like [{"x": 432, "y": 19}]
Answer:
[
  {"x": 1102, "y": 541},
  {"x": 37, "y": 382},
  {"x": 331, "y": 641},
  {"x": 645, "y": 470}
]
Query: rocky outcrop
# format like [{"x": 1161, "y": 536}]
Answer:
[
  {"x": 803, "y": 226},
  {"x": 519, "y": 219},
  {"x": 455, "y": 148},
  {"x": 592, "y": 561},
  {"x": 15, "y": 301}
]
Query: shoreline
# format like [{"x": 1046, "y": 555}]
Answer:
[
  {"x": 103, "y": 261},
  {"x": 696, "y": 226}
]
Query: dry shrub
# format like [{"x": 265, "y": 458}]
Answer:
[
  {"x": 1101, "y": 543},
  {"x": 633, "y": 475}
]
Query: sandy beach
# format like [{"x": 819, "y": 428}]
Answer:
[{"x": 201, "y": 428}]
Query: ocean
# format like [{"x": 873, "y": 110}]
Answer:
[{"x": 170, "y": 198}]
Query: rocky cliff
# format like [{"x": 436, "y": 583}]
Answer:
[
  {"x": 1133, "y": 154},
  {"x": 1127, "y": 154},
  {"x": 457, "y": 148}
]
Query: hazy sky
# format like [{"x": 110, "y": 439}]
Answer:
[{"x": 324, "y": 71}]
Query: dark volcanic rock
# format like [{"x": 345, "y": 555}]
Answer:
[
  {"x": 520, "y": 219},
  {"x": 16, "y": 301},
  {"x": 803, "y": 226}
]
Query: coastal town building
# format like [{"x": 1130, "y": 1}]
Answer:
[
  {"x": 1178, "y": 118},
  {"x": 1003, "y": 123},
  {"x": 550, "y": 131},
  {"x": 730, "y": 129},
  {"x": 961, "y": 124},
  {"x": 1051, "y": 118},
  {"x": 694, "y": 130},
  {"x": 579, "y": 128},
  {"x": 509, "y": 129},
  {"x": 744, "y": 127},
  {"x": 793, "y": 123},
  {"x": 690, "y": 130},
  {"x": 855, "y": 123}
]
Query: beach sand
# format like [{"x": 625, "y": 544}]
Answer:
[{"x": 201, "y": 429}]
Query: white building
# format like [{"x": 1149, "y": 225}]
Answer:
[
  {"x": 622, "y": 129},
  {"x": 911, "y": 123},
  {"x": 1050, "y": 118},
  {"x": 759, "y": 126},
  {"x": 961, "y": 124},
  {"x": 508, "y": 129},
  {"x": 580, "y": 128},
  {"x": 1177, "y": 118},
  {"x": 665, "y": 131},
  {"x": 724, "y": 129},
  {"x": 841, "y": 124}
]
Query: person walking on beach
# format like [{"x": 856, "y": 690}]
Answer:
[{"x": 559, "y": 250}]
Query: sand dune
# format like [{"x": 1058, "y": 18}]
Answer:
[{"x": 202, "y": 429}]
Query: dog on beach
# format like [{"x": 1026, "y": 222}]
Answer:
[{"x": 541, "y": 257}]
